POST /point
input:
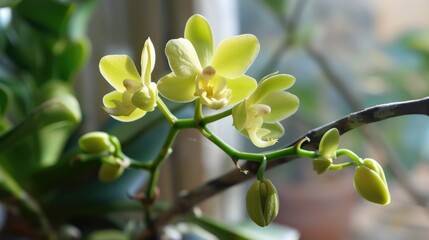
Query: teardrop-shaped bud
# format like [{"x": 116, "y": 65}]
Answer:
[
  {"x": 321, "y": 164},
  {"x": 262, "y": 202},
  {"x": 95, "y": 142},
  {"x": 370, "y": 182},
  {"x": 111, "y": 168}
]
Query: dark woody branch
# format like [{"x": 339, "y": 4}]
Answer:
[{"x": 186, "y": 201}]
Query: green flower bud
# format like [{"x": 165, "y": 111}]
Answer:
[
  {"x": 96, "y": 142},
  {"x": 321, "y": 164},
  {"x": 370, "y": 182},
  {"x": 111, "y": 168},
  {"x": 262, "y": 202}
]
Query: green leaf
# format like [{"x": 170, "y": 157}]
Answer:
[
  {"x": 199, "y": 33},
  {"x": 234, "y": 55},
  {"x": 107, "y": 235},
  {"x": 47, "y": 15},
  {"x": 221, "y": 231},
  {"x": 117, "y": 68},
  {"x": 8, "y": 3},
  {"x": 4, "y": 99},
  {"x": 182, "y": 58},
  {"x": 177, "y": 89},
  {"x": 79, "y": 20},
  {"x": 70, "y": 58}
]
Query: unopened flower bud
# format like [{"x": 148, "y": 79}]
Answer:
[
  {"x": 262, "y": 202},
  {"x": 111, "y": 168},
  {"x": 95, "y": 142},
  {"x": 370, "y": 182}
]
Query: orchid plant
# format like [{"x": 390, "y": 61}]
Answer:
[{"x": 214, "y": 77}]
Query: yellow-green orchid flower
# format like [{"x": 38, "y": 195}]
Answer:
[
  {"x": 258, "y": 116},
  {"x": 215, "y": 76},
  {"x": 135, "y": 94}
]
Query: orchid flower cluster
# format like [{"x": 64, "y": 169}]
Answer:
[{"x": 215, "y": 77}]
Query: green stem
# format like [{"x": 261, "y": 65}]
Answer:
[
  {"x": 232, "y": 152},
  {"x": 356, "y": 159},
  {"x": 198, "y": 114},
  {"x": 215, "y": 117},
  {"x": 261, "y": 170},
  {"x": 166, "y": 150},
  {"x": 340, "y": 166},
  {"x": 166, "y": 112}
]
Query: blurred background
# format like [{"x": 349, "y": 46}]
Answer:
[{"x": 345, "y": 55}]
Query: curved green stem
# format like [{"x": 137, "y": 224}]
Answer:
[
  {"x": 261, "y": 170},
  {"x": 340, "y": 166},
  {"x": 166, "y": 112},
  {"x": 215, "y": 117},
  {"x": 356, "y": 159}
]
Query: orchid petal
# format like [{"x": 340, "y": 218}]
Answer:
[
  {"x": 282, "y": 104},
  {"x": 182, "y": 58},
  {"x": 116, "y": 68},
  {"x": 278, "y": 82},
  {"x": 241, "y": 88},
  {"x": 147, "y": 61},
  {"x": 177, "y": 89},
  {"x": 112, "y": 99},
  {"x": 239, "y": 116},
  {"x": 199, "y": 33},
  {"x": 234, "y": 55}
]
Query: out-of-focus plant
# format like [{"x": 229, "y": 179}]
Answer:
[{"x": 43, "y": 44}]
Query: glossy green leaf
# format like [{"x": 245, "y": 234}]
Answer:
[
  {"x": 241, "y": 88},
  {"x": 35, "y": 12},
  {"x": 79, "y": 21},
  {"x": 199, "y": 33},
  {"x": 71, "y": 57},
  {"x": 107, "y": 235},
  {"x": 177, "y": 89},
  {"x": 234, "y": 55},
  {"x": 282, "y": 104},
  {"x": 117, "y": 68},
  {"x": 182, "y": 58}
]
